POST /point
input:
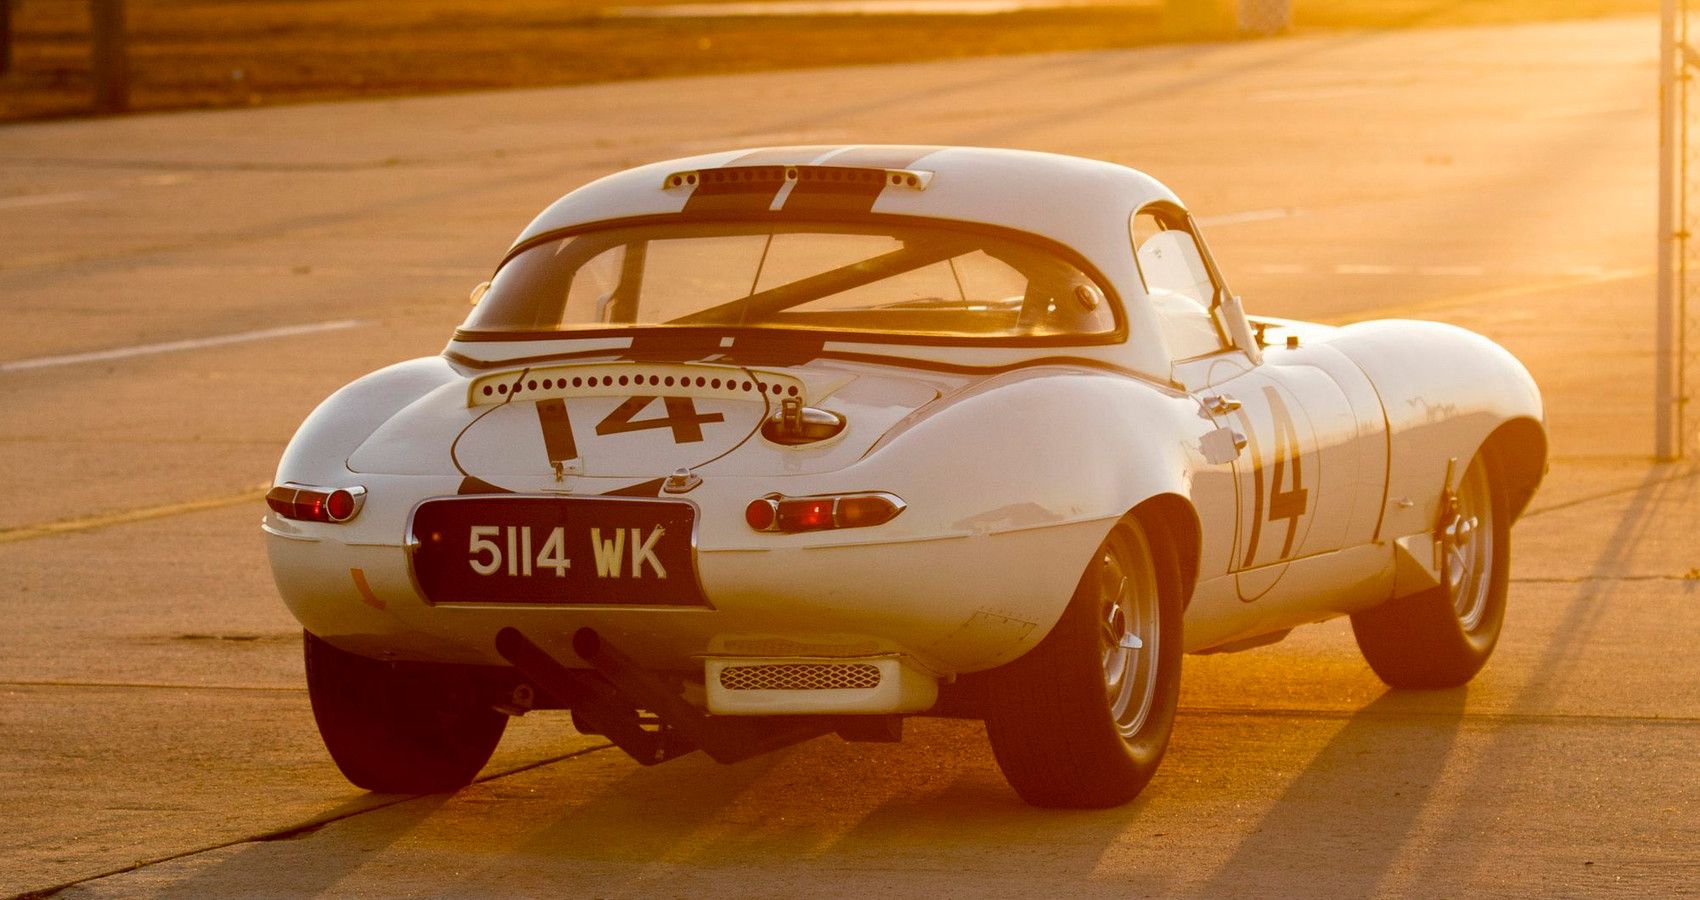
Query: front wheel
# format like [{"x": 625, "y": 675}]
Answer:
[
  {"x": 1082, "y": 720},
  {"x": 412, "y": 728},
  {"x": 1442, "y": 637}
]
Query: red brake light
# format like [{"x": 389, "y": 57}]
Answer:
[
  {"x": 761, "y": 513},
  {"x": 797, "y": 514},
  {"x": 339, "y": 505},
  {"x": 806, "y": 514},
  {"x": 310, "y": 504}
]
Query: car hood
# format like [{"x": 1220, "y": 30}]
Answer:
[{"x": 525, "y": 428}]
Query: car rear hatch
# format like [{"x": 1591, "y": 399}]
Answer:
[{"x": 523, "y": 427}]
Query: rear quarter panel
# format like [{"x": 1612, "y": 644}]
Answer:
[
  {"x": 1041, "y": 448},
  {"x": 1445, "y": 391}
]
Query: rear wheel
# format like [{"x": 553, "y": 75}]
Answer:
[
  {"x": 403, "y": 728},
  {"x": 1442, "y": 637},
  {"x": 1083, "y": 719}
]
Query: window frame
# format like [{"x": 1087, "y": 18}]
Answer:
[
  {"x": 1172, "y": 216},
  {"x": 1119, "y": 334}
]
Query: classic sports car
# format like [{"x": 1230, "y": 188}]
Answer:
[{"x": 742, "y": 449}]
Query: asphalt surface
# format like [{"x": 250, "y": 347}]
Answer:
[{"x": 154, "y": 733}]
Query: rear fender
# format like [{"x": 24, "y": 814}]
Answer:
[
  {"x": 1043, "y": 448},
  {"x": 319, "y": 451},
  {"x": 1446, "y": 392}
]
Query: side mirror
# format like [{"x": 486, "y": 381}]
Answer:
[{"x": 477, "y": 292}]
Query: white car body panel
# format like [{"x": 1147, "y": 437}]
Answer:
[{"x": 1014, "y": 463}]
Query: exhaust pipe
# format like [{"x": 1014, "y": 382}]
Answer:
[
  {"x": 726, "y": 740},
  {"x": 593, "y": 701}
]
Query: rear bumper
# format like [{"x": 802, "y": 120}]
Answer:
[{"x": 929, "y": 607}]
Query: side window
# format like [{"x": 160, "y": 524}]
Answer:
[{"x": 1178, "y": 283}]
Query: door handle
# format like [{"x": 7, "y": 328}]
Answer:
[
  {"x": 1221, "y": 404},
  {"x": 1221, "y": 446}
]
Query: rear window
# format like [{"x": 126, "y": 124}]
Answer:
[{"x": 906, "y": 279}]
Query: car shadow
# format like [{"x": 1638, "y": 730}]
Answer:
[
  {"x": 1586, "y": 616},
  {"x": 644, "y": 815},
  {"x": 920, "y": 814},
  {"x": 248, "y": 867},
  {"x": 1341, "y": 824}
]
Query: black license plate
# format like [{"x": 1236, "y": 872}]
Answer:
[{"x": 567, "y": 551}]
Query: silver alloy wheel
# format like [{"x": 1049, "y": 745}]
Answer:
[
  {"x": 1468, "y": 548},
  {"x": 1128, "y": 629}
]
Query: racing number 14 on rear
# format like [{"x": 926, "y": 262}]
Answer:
[{"x": 493, "y": 548}]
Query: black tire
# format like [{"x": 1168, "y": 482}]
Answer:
[
  {"x": 1442, "y": 637},
  {"x": 1051, "y": 717},
  {"x": 400, "y": 728}
]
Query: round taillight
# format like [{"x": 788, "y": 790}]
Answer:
[
  {"x": 760, "y": 513},
  {"x": 339, "y": 506}
]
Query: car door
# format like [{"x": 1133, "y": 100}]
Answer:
[
  {"x": 1298, "y": 473},
  {"x": 1286, "y": 427}
]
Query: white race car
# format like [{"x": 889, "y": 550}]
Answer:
[{"x": 738, "y": 450}]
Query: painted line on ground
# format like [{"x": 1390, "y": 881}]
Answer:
[
  {"x": 28, "y": 201},
  {"x": 1316, "y": 93},
  {"x": 1250, "y": 215},
  {"x": 152, "y": 686},
  {"x": 1406, "y": 310},
  {"x": 124, "y": 517},
  {"x": 1581, "y": 112},
  {"x": 767, "y": 8},
  {"x": 1453, "y": 271},
  {"x": 72, "y": 359},
  {"x": 1690, "y": 575},
  {"x": 1682, "y": 472},
  {"x": 1416, "y": 712}
]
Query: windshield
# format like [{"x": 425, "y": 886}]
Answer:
[{"x": 902, "y": 279}]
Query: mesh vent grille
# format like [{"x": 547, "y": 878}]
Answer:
[{"x": 800, "y": 677}]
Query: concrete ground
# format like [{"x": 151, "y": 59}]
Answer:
[{"x": 153, "y": 728}]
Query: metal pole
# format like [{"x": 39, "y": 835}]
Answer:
[
  {"x": 1683, "y": 78},
  {"x": 1664, "y": 430},
  {"x": 5, "y": 36},
  {"x": 110, "y": 56}
]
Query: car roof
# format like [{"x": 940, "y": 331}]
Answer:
[{"x": 1081, "y": 203}]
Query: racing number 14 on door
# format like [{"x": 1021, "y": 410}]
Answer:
[{"x": 1286, "y": 468}]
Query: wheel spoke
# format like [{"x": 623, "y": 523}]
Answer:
[
  {"x": 1127, "y": 626},
  {"x": 1457, "y": 581},
  {"x": 1470, "y": 555},
  {"x": 1119, "y": 703}
]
